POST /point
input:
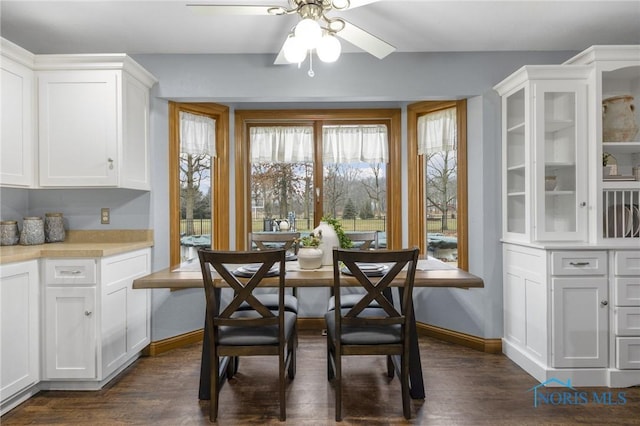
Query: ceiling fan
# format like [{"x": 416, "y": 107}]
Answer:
[{"x": 315, "y": 30}]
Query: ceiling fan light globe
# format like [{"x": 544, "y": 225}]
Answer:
[
  {"x": 294, "y": 50},
  {"x": 329, "y": 48},
  {"x": 309, "y": 32}
]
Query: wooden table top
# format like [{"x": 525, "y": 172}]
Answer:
[{"x": 429, "y": 273}]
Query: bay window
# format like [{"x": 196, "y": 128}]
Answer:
[
  {"x": 198, "y": 165},
  {"x": 438, "y": 176},
  {"x": 303, "y": 165}
]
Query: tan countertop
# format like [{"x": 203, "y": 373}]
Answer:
[{"x": 85, "y": 243}]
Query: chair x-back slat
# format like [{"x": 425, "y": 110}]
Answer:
[{"x": 244, "y": 292}]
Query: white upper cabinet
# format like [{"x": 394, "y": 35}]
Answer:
[
  {"x": 544, "y": 154},
  {"x": 17, "y": 143},
  {"x": 93, "y": 121},
  {"x": 614, "y": 90}
]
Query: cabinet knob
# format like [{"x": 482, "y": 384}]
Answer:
[
  {"x": 110, "y": 160},
  {"x": 604, "y": 303},
  {"x": 88, "y": 313},
  {"x": 583, "y": 204}
]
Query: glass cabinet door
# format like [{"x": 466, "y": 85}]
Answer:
[
  {"x": 516, "y": 160},
  {"x": 560, "y": 180}
]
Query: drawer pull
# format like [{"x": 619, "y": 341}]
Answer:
[
  {"x": 578, "y": 263},
  {"x": 88, "y": 313},
  {"x": 604, "y": 303},
  {"x": 72, "y": 272}
]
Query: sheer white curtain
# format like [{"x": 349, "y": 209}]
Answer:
[
  {"x": 197, "y": 134},
  {"x": 342, "y": 144},
  {"x": 437, "y": 132},
  {"x": 281, "y": 144},
  {"x": 355, "y": 144}
]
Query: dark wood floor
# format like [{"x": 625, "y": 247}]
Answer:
[{"x": 463, "y": 386}]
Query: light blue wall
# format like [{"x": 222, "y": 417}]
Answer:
[
  {"x": 130, "y": 209},
  {"x": 355, "y": 81}
]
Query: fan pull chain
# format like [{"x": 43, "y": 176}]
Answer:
[{"x": 311, "y": 73}]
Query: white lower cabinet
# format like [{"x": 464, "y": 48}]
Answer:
[
  {"x": 95, "y": 323},
  {"x": 573, "y": 314},
  {"x": 579, "y": 322},
  {"x": 625, "y": 343},
  {"x": 19, "y": 332},
  {"x": 70, "y": 333},
  {"x": 126, "y": 326}
]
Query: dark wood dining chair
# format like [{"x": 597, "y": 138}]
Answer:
[
  {"x": 270, "y": 240},
  {"x": 363, "y": 240},
  {"x": 267, "y": 240},
  {"x": 249, "y": 332},
  {"x": 372, "y": 330}
]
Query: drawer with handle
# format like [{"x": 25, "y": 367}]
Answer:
[
  {"x": 579, "y": 263},
  {"x": 70, "y": 271}
]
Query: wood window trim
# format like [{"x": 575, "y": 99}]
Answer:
[
  {"x": 391, "y": 117},
  {"x": 416, "y": 178},
  {"x": 219, "y": 176}
]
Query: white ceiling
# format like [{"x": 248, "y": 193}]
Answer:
[{"x": 411, "y": 26}]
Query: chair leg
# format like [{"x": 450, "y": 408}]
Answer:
[
  {"x": 292, "y": 348},
  {"x": 214, "y": 385},
  {"x": 330, "y": 359},
  {"x": 390, "y": 367},
  {"x": 338, "y": 385},
  {"x": 231, "y": 367},
  {"x": 404, "y": 383},
  {"x": 281, "y": 385}
]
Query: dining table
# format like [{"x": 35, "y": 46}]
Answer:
[{"x": 430, "y": 272}]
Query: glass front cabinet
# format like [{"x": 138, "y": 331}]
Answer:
[
  {"x": 614, "y": 143},
  {"x": 545, "y": 154},
  {"x": 571, "y": 218}
]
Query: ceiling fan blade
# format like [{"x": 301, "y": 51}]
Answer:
[
  {"x": 280, "y": 59},
  {"x": 220, "y": 9},
  {"x": 365, "y": 41},
  {"x": 358, "y": 3}
]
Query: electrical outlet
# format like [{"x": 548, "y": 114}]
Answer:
[{"x": 105, "y": 216}]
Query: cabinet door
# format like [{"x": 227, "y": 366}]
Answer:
[
  {"x": 78, "y": 128},
  {"x": 126, "y": 312},
  {"x": 16, "y": 125},
  {"x": 134, "y": 170},
  {"x": 19, "y": 308},
  {"x": 516, "y": 170},
  {"x": 70, "y": 333},
  {"x": 560, "y": 178},
  {"x": 579, "y": 322}
]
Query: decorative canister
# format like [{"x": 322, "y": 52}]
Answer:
[
  {"x": 32, "y": 231},
  {"x": 310, "y": 257},
  {"x": 550, "y": 183},
  {"x": 283, "y": 225},
  {"x": 618, "y": 119},
  {"x": 9, "y": 235},
  {"x": 53, "y": 228},
  {"x": 328, "y": 240}
]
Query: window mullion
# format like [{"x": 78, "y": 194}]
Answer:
[{"x": 318, "y": 171}]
